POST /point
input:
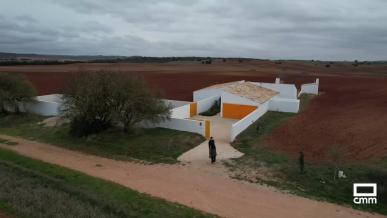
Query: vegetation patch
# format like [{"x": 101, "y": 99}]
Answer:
[
  {"x": 305, "y": 100},
  {"x": 94, "y": 102},
  {"x": 319, "y": 181},
  {"x": 14, "y": 88},
  {"x": 156, "y": 145},
  {"x": 32, "y": 188},
  {"x": 213, "y": 110}
]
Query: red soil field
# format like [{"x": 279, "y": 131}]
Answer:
[{"x": 350, "y": 114}]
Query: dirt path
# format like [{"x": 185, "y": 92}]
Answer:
[
  {"x": 191, "y": 187},
  {"x": 220, "y": 130}
]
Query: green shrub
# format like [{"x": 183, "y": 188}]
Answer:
[
  {"x": 214, "y": 109},
  {"x": 14, "y": 90}
]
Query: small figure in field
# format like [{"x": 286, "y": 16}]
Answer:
[
  {"x": 301, "y": 161},
  {"x": 212, "y": 148}
]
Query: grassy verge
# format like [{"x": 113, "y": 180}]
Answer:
[
  {"x": 32, "y": 188},
  {"x": 261, "y": 165},
  {"x": 156, "y": 145},
  {"x": 305, "y": 100}
]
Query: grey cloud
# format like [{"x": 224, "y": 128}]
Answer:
[{"x": 303, "y": 29}]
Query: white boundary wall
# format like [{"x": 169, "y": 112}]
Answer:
[
  {"x": 310, "y": 88},
  {"x": 284, "y": 105},
  {"x": 181, "y": 112},
  {"x": 235, "y": 99},
  {"x": 242, "y": 124},
  {"x": 285, "y": 90},
  {"x": 42, "y": 108},
  {"x": 45, "y": 105},
  {"x": 205, "y": 104},
  {"x": 187, "y": 125},
  {"x": 175, "y": 103},
  {"x": 206, "y": 93}
]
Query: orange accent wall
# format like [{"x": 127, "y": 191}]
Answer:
[
  {"x": 193, "y": 108},
  {"x": 207, "y": 129},
  {"x": 237, "y": 111}
]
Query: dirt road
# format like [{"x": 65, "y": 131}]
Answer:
[{"x": 189, "y": 186}]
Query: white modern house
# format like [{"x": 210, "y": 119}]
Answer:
[{"x": 241, "y": 101}]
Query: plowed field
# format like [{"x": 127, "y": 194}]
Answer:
[{"x": 350, "y": 114}]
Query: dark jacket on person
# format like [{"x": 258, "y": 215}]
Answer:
[{"x": 212, "y": 148}]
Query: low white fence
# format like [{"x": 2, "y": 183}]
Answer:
[
  {"x": 175, "y": 103},
  {"x": 45, "y": 105},
  {"x": 42, "y": 108},
  {"x": 310, "y": 88},
  {"x": 195, "y": 126},
  {"x": 284, "y": 105},
  {"x": 242, "y": 124},
  {"x": 206, "y": 104}
]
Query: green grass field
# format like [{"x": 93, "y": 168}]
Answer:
[
  {"x": 261, "y": 165},
  {"x": 31, "y": 188},
  {"x": 157, "y": 145}
]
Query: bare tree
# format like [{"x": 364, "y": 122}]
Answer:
[
  {"x": 94, "y": 101},
  {"x": 134, "y": 103}
]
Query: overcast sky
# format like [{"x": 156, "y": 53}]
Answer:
[{"x": 276, "y": 29}]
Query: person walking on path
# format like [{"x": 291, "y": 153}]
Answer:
[{"x": 212, "y": 148}]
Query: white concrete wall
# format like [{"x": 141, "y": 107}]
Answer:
[
  {"x": 205, "y": 104},
  {"x": 45, "y": 105},
  {"x": 284, "y": 105},
  {"x": 235, "y": 99},
  {"x": 42, "y": 108},
  {"x": 181, "y": 112},
  {"x": 310, "y": 88},
  {"x": 206, "y": 93},
  {"x": 175, "y": 103},
  {"x": 242, "y": 124},
  {"x": 187, "y": 125},
  {"x": 285, "y": 90}
]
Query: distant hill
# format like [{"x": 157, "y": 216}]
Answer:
[
  {"x": 44, "y": 59},
  {"x": 4, "y": 56},
  {"x": 23, "y": 59},
  {"x": 20, "y": 59}
]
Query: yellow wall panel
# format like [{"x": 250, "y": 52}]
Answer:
[
  {"x": 193, "y": 108},
  {"x": 237, "y": 111},
  {"x": 207, "y": 129}
]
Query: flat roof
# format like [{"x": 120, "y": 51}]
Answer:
[{"x": 247, "y": 90}]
